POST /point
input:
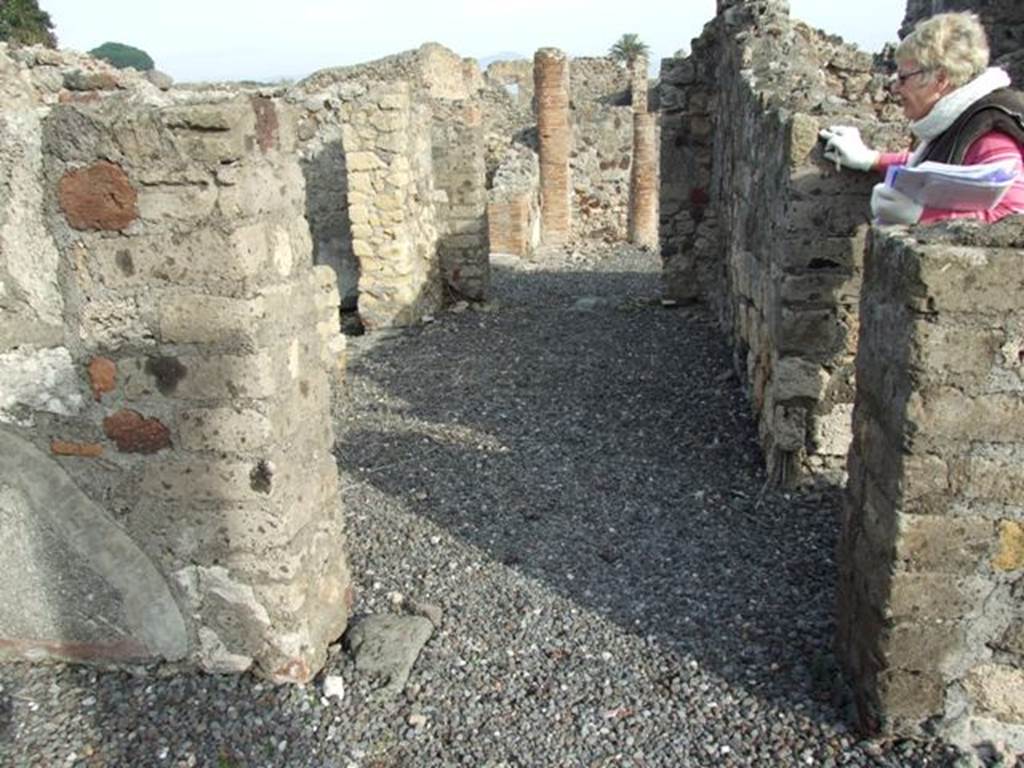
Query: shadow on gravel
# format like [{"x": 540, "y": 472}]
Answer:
[{"x": 605, "y": 448}]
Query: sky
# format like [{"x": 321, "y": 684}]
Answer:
[{"x": 260, "y": 40}]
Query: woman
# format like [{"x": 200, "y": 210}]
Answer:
[{"x": 961, "y": 112}]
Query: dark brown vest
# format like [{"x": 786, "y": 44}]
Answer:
[{"x": 1001, "y": 110}]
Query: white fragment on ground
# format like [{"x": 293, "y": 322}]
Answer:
[{"x": 334, "y": 687}]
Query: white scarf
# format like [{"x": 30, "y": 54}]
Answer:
[{"x": 952, "y": 105}]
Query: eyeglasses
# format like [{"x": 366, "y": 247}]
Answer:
[{"x": 902, "y": 77}]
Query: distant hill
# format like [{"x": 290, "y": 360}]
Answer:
[{"x": 486, "y": 61}]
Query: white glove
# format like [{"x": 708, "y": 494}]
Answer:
[
  {"x": 890, "y": 206},
  {"x": 844, "y": 146}
]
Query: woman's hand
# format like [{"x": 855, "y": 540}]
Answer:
[
  {"x": 844, "y": 146},
  {"x": 890, "y": 206}
]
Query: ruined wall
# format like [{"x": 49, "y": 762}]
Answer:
[
  {"x": 412, "y": 126},
  {"x": 601, "y": 137},
  {"x": 932, "y": 550},
  {"x": 388, "y": 144},
  {"x": 507, "y": 112},
  {"x": 782, "y": 267},
  {"x": 513, "y": 77},
  {"x": 1003, "y": 20},
  {"x": 366, "y": 157},
  {"x": 323, "y": 116},
  {"x": 513, "y": 208},
  {"x": 166, "y": 481},
  {"x": 433, "y": 69},
  {"x": 687, "y": 224},
  {"x": 460, "y": 172},
  {"x": 602, "y": 148}
]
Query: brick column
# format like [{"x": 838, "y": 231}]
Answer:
[
  {"x": 643, "y": 181},
  {"x": 551, "y": 84},
  {"x": 931, "y": 556},
  {"x": 508, "y": 223}
]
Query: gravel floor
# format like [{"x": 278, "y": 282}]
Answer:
[{"x": 571, "y": 474}]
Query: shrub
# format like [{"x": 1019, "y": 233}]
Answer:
[{"x": 123, "y": 56}]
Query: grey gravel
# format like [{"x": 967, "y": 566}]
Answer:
[{"x": 580, "y": 495}]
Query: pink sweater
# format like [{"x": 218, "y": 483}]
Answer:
[{"x": 993, "y": 147}]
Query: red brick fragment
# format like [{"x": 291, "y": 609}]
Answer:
[
  {"x": 76, "y": 97},
  {"x": 134, "y": 433},
  {"x": 294, "y": 671},
  {"x": 98, "y": 197},
  {"x": 84, "y": 450},
  {"x": 266, "y": 123},
  {"x": 102, "y": 376}
]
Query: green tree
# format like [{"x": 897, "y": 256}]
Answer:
[
  {"x": 628, "y": 49},
  {"x": 23, "y": 23},
  {"x": 123, "y": 56}
]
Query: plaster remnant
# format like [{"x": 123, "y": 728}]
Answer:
[{"x": 38, "y": 380}]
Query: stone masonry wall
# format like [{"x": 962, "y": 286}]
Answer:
[
  {"x": 366, "y": 156},
  {"x": 931, "y": 555},
  {"x": 429, "y": 148},
  {"x": 391, "y": 206},
  {"x": 513, "y": 209},
  {"x": 602, "y": 148},
  {"x": 437, "y": 71},
  {"x": 1003, "y": 20},
  {"x": 166, "y": 482},
  {"x": 687, "y": 224},
  {"x": 323, "y": 116},
  {"x": 783, "y": 269},
  {"x": 515, "y": 78},
  {"x": 460, "y": 172},
  {"x": 601, "y": 123}
]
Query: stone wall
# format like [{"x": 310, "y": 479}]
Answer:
[
  {"x": 932, "y": 550},
  {"x": 460, "y": 173},
  {"x": 1003, "y": 20},
  {"x": 782, "y": 266},
  {"x": 513, "y": 208},
  {"x": 687, "y": 224},
  {"x": 601, "y": 138},
  {"x": 413, "y": 128},
  {"x": 432, "y": 69},
  {"x": 166, "y": 481},
  {"x": 602, "y": 148},
  {"x": 323, "y": 116},
  {"x": 513, "y": 77}
]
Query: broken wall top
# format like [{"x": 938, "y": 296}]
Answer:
[
  {"x": 438, "y": 70},
  {"x": 795, "y": 68},
  {"x": 52, "y": 76}
]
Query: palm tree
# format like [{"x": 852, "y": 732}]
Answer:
[{"x": 628, "y": 49}]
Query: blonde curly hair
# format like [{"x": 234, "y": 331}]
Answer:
[{"x": 954, "y": 42}]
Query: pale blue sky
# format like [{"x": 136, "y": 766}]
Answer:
[{"x": 255, "y": 39}]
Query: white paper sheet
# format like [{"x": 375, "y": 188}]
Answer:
[{"x": 953, "y": 187}]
